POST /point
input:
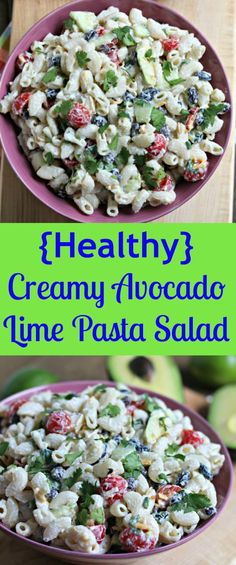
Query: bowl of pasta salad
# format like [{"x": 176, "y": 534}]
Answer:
[
  {"x": 114, "y": 113},
  {"x": 92, "y": 472}
]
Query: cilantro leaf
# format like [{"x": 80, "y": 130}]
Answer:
[
  {"x": 151, "y": 182},
  {"x": 90, "y": 163},
  {"x": 140, "y": 102},
  {"x": 158, "y": 119},
  {"x": 114, "y": 142},
  {"x": 48, "y": 158},
  {"x": 82, "y": 58},
  {"x": 210, "y": 114},
  {"x": 163, "y": 477},
  {"x": 110, "y": 410},
  {"x": 3, "y": 447},
  {"x": 43, "y": 462},
  {"x": 103, "y": 128},
  {"x": 68, "y": 24},
  {"x": 166, "y": 69},
  {"x": 38, "y": 50},
  {"x": 111, "y": 79},
  {"x": 50, "y": 75},
  {"x": 123, "y": 156},
  {"x": 192, "y": 502},
  {"x": 100, "y": 388},
  {"x": 124, "y": 35},
  {"x": 171, "y": 452},
  {"x": 146, "y": 502},
  {"x": 132, "y": 465},
  {"x": 82, "y": 517},
  {"x": 73, "y": 479},
  {"x": 98, "y": 515},
  {"x": 122, "y": 114},
  {"x": 140, "y": 160},
  {"x": 163, "y": 423},
  {"x": 87, "y": 490},
  {"x": 149, "y": 55},
  {"x": 64, "y": 107}
]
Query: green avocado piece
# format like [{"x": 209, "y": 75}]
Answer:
[
  {"x": 142, "y": 112},
  {"x": 155, "y": 373},
  {"x": 213, "y": 371},
  {"x": 147, "y": 67},
  {"x": 27, "y": 378},
  {"x": 84, "y": 20},
  {"x": 222, "y": 414},
  {"x": 103, "y": 39}
]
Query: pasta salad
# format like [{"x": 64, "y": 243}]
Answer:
[
  {"x": 106, "y": 470},
  {"x": 115, "y": 109}
]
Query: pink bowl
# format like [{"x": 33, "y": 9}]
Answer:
[
  {"x": 53, "y": 23},
  {"x": 223, "y": 481}
]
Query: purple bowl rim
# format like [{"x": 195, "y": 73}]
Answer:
[
  {"x": 159, "y": 210},
  {"x": 68, "y": 385}
]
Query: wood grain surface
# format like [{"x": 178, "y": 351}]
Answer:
[
  {"x": 216, "y": 546},
  {"x": 215, "y": 201}
]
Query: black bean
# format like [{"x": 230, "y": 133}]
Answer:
[
  {"x": 199, "y": 119},
  {"x": 210, "y": 511},
  {"x": 90, "y": 34},
  {"x": 183, "y": 479},
  {"x": 128, "y": 96},
  {"x": 116, "y": 173},
  {"x": 55, "y": 61},
  {"x": 134, "y": 129},
  {"x": 99, "y": 120},
  {"x": 160, "y": 516},
  {"x": 148, "y": 93},
  {"x": 205, "y": 471},
  {"x": 57, "y": 473},
  {"x": 52, "y": 494},
  {"x": 131, "y": 483},
  {"x": 192, "y": 96},
  {"x": 165, "y": 131},
  {"x": 177, "y": 497},
  {"x": 51, "y": 93},
  {"x": 109, "y": 158},
  {"x": 203, "y": 75}
]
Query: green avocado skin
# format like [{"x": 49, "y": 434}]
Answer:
[
  {"x": 27, "y": 378},
  {"x": 214, "y": 371}
]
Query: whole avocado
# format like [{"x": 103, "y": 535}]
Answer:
[{"x": 213, "y": 371}]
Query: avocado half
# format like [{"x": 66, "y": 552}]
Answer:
[
  {"x": 155, "y": 373},
  {"x": 222, "y": 414},
  {"x": 213, "y": 371}
]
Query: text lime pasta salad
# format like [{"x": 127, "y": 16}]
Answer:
[
  {"x": 115, "y": 110},
  {"x": 104, "y": 470}
]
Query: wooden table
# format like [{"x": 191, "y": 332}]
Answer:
[
  {"x": 216, "y": 20},
  {"x": 217, "y": 546}
]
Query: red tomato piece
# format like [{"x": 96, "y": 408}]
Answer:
[
  {"x": 133, "y": 540},
  {"x": 99, "y": 532},
  {"x": 23, "y": 58},
  {"x": 196, "y": 171},
  {"x": 170, "y": 43},
  {"x": 159, "y": 146},
  {"x": 165, "y": 493},
  {"x": 79, "y": 116},
  {"x": 166, "y": 184},
  {"x": 134, "y": 405},
  {"x": 20, "y": 103},
  {"x": 113, "y": 487},
  {"x": 70, "y": 163},
  {"x": 59, "y": 423},
  {"x": 14, "y": 407},
  {"x": 100, "y": 31},
  {"x": 192, "y": 437}
]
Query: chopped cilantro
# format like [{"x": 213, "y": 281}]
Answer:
[
  {"x": 50, "y": 75},
  {"x": 171, "y": 451},
  {"x": 151, "y": 182},
  {"x": 140, "y": 102},
  {"x": 184, "y": 113},
  {"x": 90, "y": 163},
  {"x": 87, "y": 490},
  {"x": 38, "y": 50},
  {"x": 210, "y": 114},
  {"x": 146, "y": 502},
  {"x": 48, "y": 158},
  {"x": 122, "y": 114},
  {"x": 149, "y": 55},
  {"x": 98, "y": 515},
  {"x": 166, "y": 69},
  {"x": 188, "y": 144},
  {"x": 68, "y": 24},
  {"x": 163, "y": 423},
  {"x": 158, "y": 119},
  {"x": 82, "y": 517},
  {"x": 124, "y": 35},
  {"x": 82, "y": 58},
  {"x": 123, "y": 156},
  {"x": 103, "y": 128},
  {"x": 43, "y": 462},
  {"x": 64, "y": 107},
  {"x": 100, "y": 388},
  {"x": 132, "y": 465},
  {"x": 110, "y": 410},
  {"x": 73, "y": 479},
  {"x": 111, "y": 79},
  {"x": 150, "y": 404},
  {"x": 163, "y": 477},
  {"x": 114, "y": 142},
  {"x": 192, "y": 502},
  {"x": 140, "y": 160},
  {"x": 3, "y": 447}
]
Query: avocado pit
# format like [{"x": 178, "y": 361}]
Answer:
[{"x": 143, "y": 368}]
